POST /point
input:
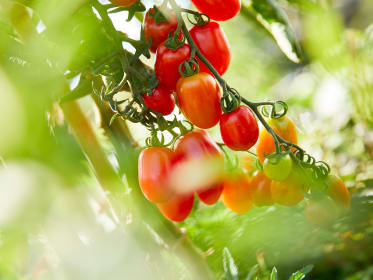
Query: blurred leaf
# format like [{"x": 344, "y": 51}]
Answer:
[
  {"x": 253, "y": 271},
  {"x": 275, "y": 21},
  {"x": 274, "y": 273},
  {"x": 230, "y": 269},
  {"x": 301, "y": 274}
]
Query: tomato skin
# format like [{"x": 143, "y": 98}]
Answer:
[
  {"x": 197, "y": 145},
  {"x": 321, "y": 212},
  {"x": 178, "y": 208},
  {"x": 278, "y": 169},
  {"x": 338, "y": 191},
  {"x": 167, "y": 64},
  {"x": 213, "y": 44},
  {"x": 153, "y": 167},
  {"x": 236, "y": 194},
  {"x": 161, "y": 100},
  {"x": 123, "y": 3},
  {"x": 239, "y": 129},
  {"x": 287, "y": 192},
  {"x": 158, "y": 32},
  {"x": 260, "y": 189},
  {"x": 284, "y": 127},
  {"x": 219, "y": 10},
  {"x": 198, "y": 98}
]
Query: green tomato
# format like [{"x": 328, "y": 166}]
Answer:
[{"x": 277, "y": 167}]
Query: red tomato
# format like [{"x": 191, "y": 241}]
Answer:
[
  {"x": 218, "y": 9},
  {"x": 287, "y": 192},
  {"x": 236, "y": 193},
  {"x": 161, "y": 100},
  {"x": 322, "y": 212},
  {"x": 284, "y": 127},
  {"x": 196, "y": 146},
  {"x": 239, "y": 129},
  {"x": 261, "y": 189},
  {"x": 338, "y": 191},
  {"x": 158, "y": 32},
  {"x": 177, "y": 208},
  {"x": 167, "y": 64},
  {"x": 123, "y": 3},
  {"x": 154, "y": 166},
  {"x": 198, "y": 98},
  {"x": 213, "y": 44}
]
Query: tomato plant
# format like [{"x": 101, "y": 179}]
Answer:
[
  {"x": 167, "y": 64},
  {"x": 277, "y": 167},
  {"x": 284, "y": 127},
  {"x": 158, "y": 31},
  {"x": 161, "y": 100},
  {"x": 123, "y": 3},
  {"x": 218, "y": 9},
  {"x": 154, "y": 166},
  {"x": 287, "y": 192},
  {"x": 198, "y": 98},
  {"x": 198, "y": 145},
  {"x": 260, "y": 189},
  {"x": 177, "y": 208},
  {"x": 236, "y": 193},
  {"x": 213, "y": 44},
  {"x": 239, "y": 129}
]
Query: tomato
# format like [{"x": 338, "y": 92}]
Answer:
[
  {"x": 167, "y": 64},
  {"x": 278, "y": 168},
  {"x": 158, "y": 32},
  {"x": 218, "y": 9},
  {"x": 239, "y": 129},
  {"x": 161, "y": 100},
  {"x": 177, "y": 208},
  {"x": 248, "y": 163},
  {"x": 213, "y": 44},
  {"x": 284, "y": 127},
  {"x": 123, "y": 3},
  {"x": 197, "y": 146},
  {"x": 260, "y": 189},
  {"x": 322, "y": 212},
  {"x": 153, "y": 166},
  {"x": 338, "y": 191},
  {"x": 198, "y": 98},
  {"x": 236, "y": 193},
  {"x": 287, "y": 192}
]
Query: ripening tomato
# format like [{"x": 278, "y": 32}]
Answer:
[
  {"x": 161, "y": 100},
  {"x": 213, "y": 44},
  {"x": 239, "y": 129},
  {"x": 154, "y": 166},
  {"x": 236, "y": 194},
  {"x": 177, "y": 208},
  {"x": 287, "y": 192},
  {"x": 278, "y": 168},
  {"x": 218, "y": 9},
  {"x": 248, "y": 163},
  {"x": 338, "y": 191},
  {"x": 123, "y": 3},
  {"x": 322, "y": 212},
  {"x": 167, "y": 64},
  {"x": 158, "y": 32},
  {"x": 284, "y": 127},
  {"x": 198, "y": 146},
  {"x": 198, "y": 98},
  {"x": 260, "y": 189}
]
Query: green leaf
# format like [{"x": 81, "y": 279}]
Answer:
[
  {"x": 274, "y": 273},
  {"x": 230, "y": 269},
  {"x": 253, "y": 272},
  {"x": 269, "y": 15},
  {"x": 113, "y": 118},
  {"x": 301, "y": 274}
]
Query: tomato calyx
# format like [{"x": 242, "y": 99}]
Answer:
[
  {"x": 230, "y": 101},
  {"x": 189, "y": 68},
  {"x": 199, "y": 19},
  {"x": 157, "y": 15}
]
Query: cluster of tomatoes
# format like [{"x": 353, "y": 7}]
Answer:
[{"x": 195, "y": 166}]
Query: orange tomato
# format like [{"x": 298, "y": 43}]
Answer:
[
  {"x": 287, "y": 192},
  {"x": 284, "y": 127},
  {"x": 261, "y": 189},
  {"x": 321, "y": 212},
  {"x": 178, "y": 208},
  {"x": 338, "y": 191},
  {"x": 123, "y": 3},
  {"x": 199, "y": 99},
  {"x": 153, "y": 167},
  {"x": 236, "y": 193}
]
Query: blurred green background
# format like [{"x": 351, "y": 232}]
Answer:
[{"x": 54, "y": 220}]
